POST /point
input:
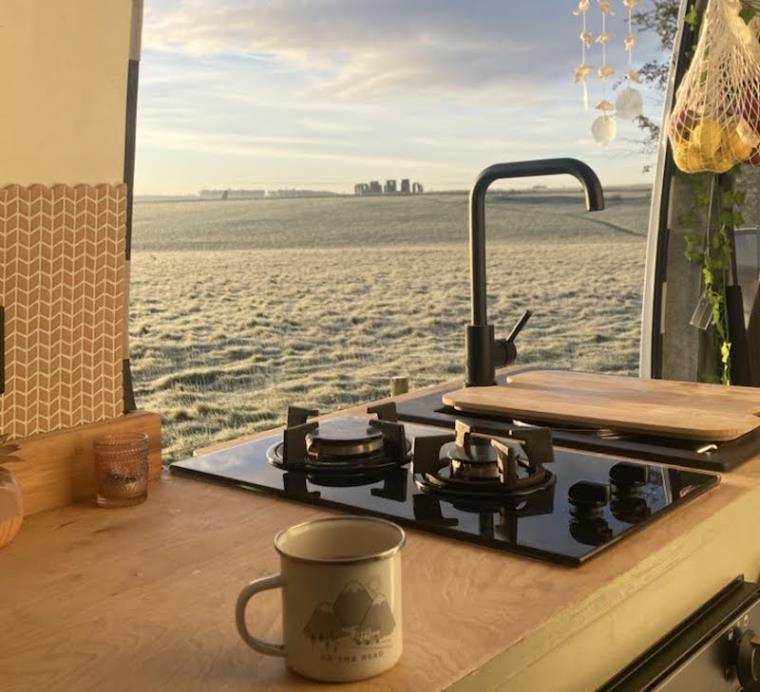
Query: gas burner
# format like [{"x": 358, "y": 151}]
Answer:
[
  {"x": 472, "y": 466},
  {"x": 341, "y": 451}
]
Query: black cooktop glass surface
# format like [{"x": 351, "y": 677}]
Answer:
[{"x": 543, "y": 525}]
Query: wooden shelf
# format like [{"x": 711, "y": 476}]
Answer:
[{"x": 57, "y": 468}]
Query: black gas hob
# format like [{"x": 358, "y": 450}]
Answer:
[{"x": 517, "y": 491}]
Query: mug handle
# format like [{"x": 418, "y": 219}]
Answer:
[{"x": 264, "y": 584}]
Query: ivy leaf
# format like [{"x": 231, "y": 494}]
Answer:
[
  {"x": 725, "y": 352},
  {"x": 716, "y": 319},
  {"x": 701, "y": 198},
  {"x": 695, "y": 257},
  {"x": 692, "y": 17},
  {"x": 747, "y": 13}
]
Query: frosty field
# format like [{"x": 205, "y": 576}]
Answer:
[{"x": 242, "y": 307}]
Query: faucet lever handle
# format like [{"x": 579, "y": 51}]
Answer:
[
  {"x": 519, "y": 326},
  {"x": 505, "y": 349}
]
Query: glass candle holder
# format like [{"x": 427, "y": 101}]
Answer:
[{"x": 121, "y": 469}]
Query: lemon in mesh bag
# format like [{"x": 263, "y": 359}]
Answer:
[{"x": 715, "y": 122}]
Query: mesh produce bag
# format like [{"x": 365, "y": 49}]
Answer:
[{"x": 715, "y": 123}]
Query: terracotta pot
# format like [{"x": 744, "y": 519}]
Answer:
[{"x": 11, "y": 507}]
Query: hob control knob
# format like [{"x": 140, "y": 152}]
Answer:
[
  {"x": 628, "y": 476},
  {"x": 748, "y": 659},
  {"x": 586, "y": 496},
  {"x": 593, "y": 531}
]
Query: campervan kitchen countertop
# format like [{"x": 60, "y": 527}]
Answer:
[{"x": 142, "y": 598}]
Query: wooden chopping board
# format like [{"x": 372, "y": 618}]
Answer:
[{"x": 689, "y": 410}]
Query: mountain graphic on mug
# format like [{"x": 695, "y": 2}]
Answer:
[
  {"x": 352, "y": 604},
  {"x": 355, "y": 614}
]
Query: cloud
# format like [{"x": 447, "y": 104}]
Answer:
[
  {"x": 322, "y": 93},
  {"x": 291, "y": 148},
  {"x": 366, "y": 49}
]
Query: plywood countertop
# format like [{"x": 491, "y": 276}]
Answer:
[{"x": 142, "y": 598}]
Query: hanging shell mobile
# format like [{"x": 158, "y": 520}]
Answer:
[
  {"x": 604, "y": 128},
  {"x": 629, "y": 103},
  {"x": 584, "y": 69}
]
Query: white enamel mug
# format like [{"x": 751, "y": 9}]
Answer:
[{"x": 341, "y": 598}]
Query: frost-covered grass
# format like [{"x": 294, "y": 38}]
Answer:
[{"x": 319, "y": 302}]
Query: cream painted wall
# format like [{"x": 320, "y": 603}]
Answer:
[{"x": 62, "y": 109}]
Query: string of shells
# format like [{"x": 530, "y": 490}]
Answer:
[{"x": 628, "y": 104}]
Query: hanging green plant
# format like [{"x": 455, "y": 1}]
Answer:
[
  {"x": 711, "y": 250},
  {"x": 701, "y": 142}
]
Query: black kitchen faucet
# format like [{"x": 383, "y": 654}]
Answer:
[{"x": 484, "y": 353}]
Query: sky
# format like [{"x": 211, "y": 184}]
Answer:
[{"x": 322, "y": 94}]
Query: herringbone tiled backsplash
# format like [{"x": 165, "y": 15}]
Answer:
[{"x": 62, "y": 286}]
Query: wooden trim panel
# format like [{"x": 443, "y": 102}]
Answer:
[{"x": 57, "y": 468}]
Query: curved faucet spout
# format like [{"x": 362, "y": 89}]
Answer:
[{"x": 481, "y": 345}]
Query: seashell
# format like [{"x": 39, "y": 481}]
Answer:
[
  {"x": 582, "y": 71},
  {"x": 606, "y": 7},
  {"x": 629, "y": 103},
  {"x": 604, "y": 130},
  {"x": 605, "y": 71}
]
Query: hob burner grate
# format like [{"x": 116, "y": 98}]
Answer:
[
  {"x": 470, "y": 465},
  {"x": 344, "y": 451}
]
